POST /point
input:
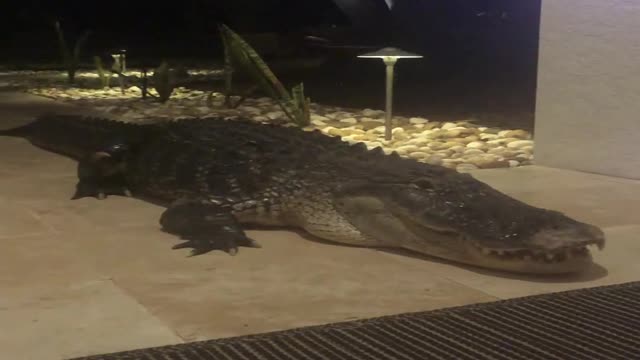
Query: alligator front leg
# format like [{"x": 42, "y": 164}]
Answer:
[
  {"x": 101, "y": 174},
  {"x": 205, "y": 225},
  {"x": 100, "y": 188}
]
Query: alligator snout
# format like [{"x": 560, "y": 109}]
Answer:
[{"x": 576, "y": 236}]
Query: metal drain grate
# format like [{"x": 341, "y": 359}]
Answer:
[{"x": 596, "y": 323}]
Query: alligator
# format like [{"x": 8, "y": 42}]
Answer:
[{"x": 217, "y": 176}]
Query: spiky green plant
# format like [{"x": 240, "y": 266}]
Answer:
[
  {"x": 301, "y": 105},
  {"x": 70, "y": 58},
  {"x": 228, "y": 73},
  {"x": 228, "y": 81},
  {"x": 144, "y": 87},
  {"x": 105, "y": 79},
  {"x": 163, "y": 82},
  {"x": 239, "y": 53}
]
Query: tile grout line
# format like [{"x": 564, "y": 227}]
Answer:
[{"x": 146, "y": 309}]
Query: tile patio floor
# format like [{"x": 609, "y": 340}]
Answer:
[{"x": 88, "y": 276}]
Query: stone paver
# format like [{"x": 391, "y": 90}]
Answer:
[{"x": 80, "y": 319}]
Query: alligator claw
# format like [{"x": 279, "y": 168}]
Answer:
[
  {"x": 101, "y": 191},
  {"x": 205, "y": 226},
  {"x": 232, "y": 251},
  {"x": 252, "y": 243},
  {"x": 197, "y": 248},
  {"x": 209, "y": 242}
]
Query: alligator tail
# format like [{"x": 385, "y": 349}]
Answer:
[{"x": 20, "y": 131}]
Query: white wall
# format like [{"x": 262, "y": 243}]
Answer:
[{"x": 588, "y": 102}]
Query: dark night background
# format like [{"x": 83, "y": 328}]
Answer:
[{"x": 480, "y": 55}]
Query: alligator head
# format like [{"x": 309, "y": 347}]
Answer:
[{"x": 456, "y": 217}]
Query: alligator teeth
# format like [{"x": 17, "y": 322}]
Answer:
[{"x": 559, "y": 255}]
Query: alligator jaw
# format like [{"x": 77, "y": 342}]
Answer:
[
  {"x": 549, "y": 251},
  {"x": 552, "y": 249},
  {"x": 570, "y": 260},
  {"x": 570, "y": 255}
]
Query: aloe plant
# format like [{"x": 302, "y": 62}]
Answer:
[
  {"x": 70, "y": 58},
  {"x": 105, "y": 79},
  {"x": 239, "y": 52},
  {"x": 228, "y": 74},
  {"x": 163, "y": 82},
  {"x": 301, "y": 105}
]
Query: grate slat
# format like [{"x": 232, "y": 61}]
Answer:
[{"x": 596, "y": 323}]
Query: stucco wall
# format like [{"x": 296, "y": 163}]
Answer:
[{"x": 588, "y": 97}]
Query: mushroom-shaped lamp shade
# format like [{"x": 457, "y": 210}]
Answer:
[
  {"x": 119, "y": 58},
  {"x": 390, "y": 52},
  {"x": 389, "y": 55}
]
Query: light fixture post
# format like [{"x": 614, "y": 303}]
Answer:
[
  {"x": 389, "y": 56},
  {"x": 119, "y": 65},
  {"x": 390, "y": 62}
]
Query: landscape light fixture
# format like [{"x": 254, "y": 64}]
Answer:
[
  {"x": 119, "y": 60},
  {"x": 119, "y": 65},
  {"x": 389, "y": 56}
]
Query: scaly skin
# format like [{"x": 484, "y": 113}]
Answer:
[{"x": 215, "y": 175}]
